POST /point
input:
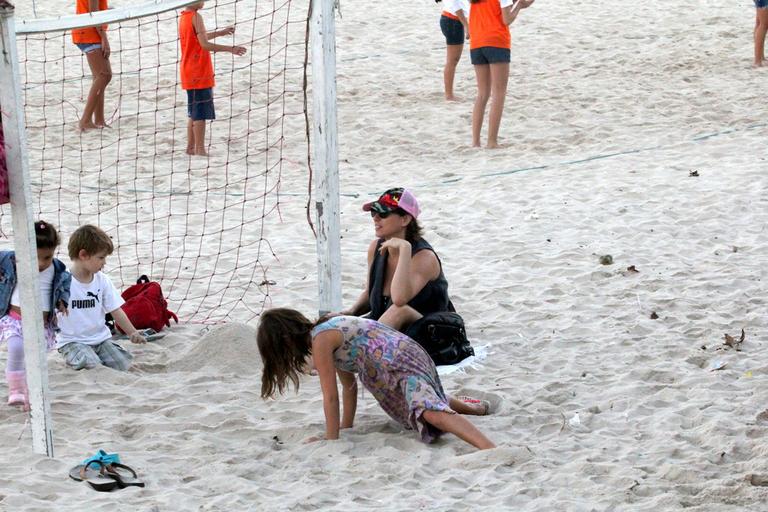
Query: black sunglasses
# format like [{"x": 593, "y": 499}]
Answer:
[{"x": 387, "y": 214}]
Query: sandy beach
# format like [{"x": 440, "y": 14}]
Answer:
[{"x": 636, "y": 132}]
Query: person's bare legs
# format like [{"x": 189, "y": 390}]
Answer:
[
  {"x": 452, "y": 57},
  {"x": 499, "y": 78},
  {"x": 483, "y": 76},
  {"x": 761, "y": 27},
  {"x": 459, "y": 426},
  {"x": 198, "y": 130},
  {"x": 190, "y": 137},
  {"x": 98, "y": 112},
  {"x": 467, "y": 408},
  {"x": 399, "y": 317},
  {"x": 102, "y": 75}
]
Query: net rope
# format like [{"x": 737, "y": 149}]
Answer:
[{"x": 197, "y": 225}]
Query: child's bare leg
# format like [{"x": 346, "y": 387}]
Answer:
[
  {"x": 190, "y": 137},
  {"x": 499, "y": 79},
  {"x": 471, "y": 409},
  {"x": 198, "y": 129},
  {"x": 483, "y": 75},
  {"x": 102, "y": 75},
  {"x": 460, "y": 426},
  {"x": 452, "y": 57},
  {"x": 761, "y": 27},
  {"x": 98, "y": 112}
]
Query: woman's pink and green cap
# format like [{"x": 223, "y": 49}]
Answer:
[{"x": 393, "y": 199}]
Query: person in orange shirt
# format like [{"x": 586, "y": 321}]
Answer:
[
  {"x": 196, "y": 72},
  {"x": 489, "y": 50},
  {"x": 455, "y": 27},
  {"x": 93, "y": 42}
]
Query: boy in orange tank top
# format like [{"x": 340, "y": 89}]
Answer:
[
  {"x": 489, "y": 51},
  {"x": 196, "y": 72},
  {"x": 93, "y": 42}
]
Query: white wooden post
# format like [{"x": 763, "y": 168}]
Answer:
[
  {"x": 326, "y": 154},
  {"x": 24, "y": 234}
]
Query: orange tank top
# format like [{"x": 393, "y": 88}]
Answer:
[
  {"x": 88, "y": 34},
  {"x": 486, "y": 24},
  {"x": 196, "y": 68}
]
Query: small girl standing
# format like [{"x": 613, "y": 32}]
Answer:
[
  {"x": 392, "y": 367},
  {"x": 54, "y": 295},
  {"x": 93, "y": 42},
  {"x": 489, "y": 50},
  {"x": 455, "y": 28}
]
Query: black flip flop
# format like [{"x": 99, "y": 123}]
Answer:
[
  {"x": 99, "y": 479},
  {"x": 124, "y": 475}
]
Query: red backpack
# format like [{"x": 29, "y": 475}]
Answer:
[{"x": 146, "y": 307}]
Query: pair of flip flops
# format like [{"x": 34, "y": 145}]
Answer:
[{"x": 104, "y": 473}]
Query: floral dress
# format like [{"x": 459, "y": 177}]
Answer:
[{"x": 394, "y": 368}]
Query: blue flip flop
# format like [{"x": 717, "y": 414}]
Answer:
[{"x": 103, "y": 457}]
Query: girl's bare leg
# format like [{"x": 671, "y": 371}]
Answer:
[
  {"x": 499, "y": 78},
  {"x": 460, "y": 426},
  {"x": 190, "y": 137},
  {"x": 483, "y": 75},
  {"x": 102, "y": 75},
  {"x": 198, "y": 128},
  {"x": 452, "y": 57},
  {"x": 761, "y": 27}
]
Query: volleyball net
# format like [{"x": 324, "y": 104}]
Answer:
[{"x": 198, "y": 225}]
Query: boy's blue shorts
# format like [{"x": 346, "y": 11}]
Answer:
[
  {"x": 453, "y": 30},
  {"x": 200, "y": 104},
  {"x": 489, "y": 55},
  {"x": 761, "y": 4}
]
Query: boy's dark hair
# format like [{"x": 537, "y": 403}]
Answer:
[
  {"x": 284, "y": 343},
  {"x": 46, "y": 235},
  {"x": 90, "y": 239}
]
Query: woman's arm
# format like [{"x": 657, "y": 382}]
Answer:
[
  {"x": 411, "y": 273},
  {"x": 348, "y": 397},
  {"x": 363, "y": 303},
  {"x": 323, "y": 346}
]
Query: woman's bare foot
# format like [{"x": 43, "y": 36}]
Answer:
[
  {"x": 201, "y": 152},
  {"x": 452, "y": 98}
]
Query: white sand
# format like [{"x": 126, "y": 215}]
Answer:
[{"x": 608, "y": 107}]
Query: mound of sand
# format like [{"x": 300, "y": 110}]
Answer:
[{"x": 228, "y": 348}]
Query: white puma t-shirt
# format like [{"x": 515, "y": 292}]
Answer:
[{"x": 88, "y": 303}]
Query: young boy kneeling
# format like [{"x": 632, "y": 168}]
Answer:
[{"x": 84, "y": 339}]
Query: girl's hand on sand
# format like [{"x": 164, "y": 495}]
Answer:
[{"x": 238, "y": 50}]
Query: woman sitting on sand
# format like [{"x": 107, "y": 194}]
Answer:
[
  {"x": 405, "y": 276},
  {"x": 392, "y": 367}
]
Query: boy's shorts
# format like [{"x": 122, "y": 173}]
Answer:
[
  {"x": 80, "y": 356},
  {"x": 200, "y": 104},
  {"x": 761, "y": 4},
  {"x": 489, "y": 55},
  {"x": 453, "y": 30},
  {"x": 88, "y": 47}
]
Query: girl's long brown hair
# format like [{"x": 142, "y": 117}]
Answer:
[{"x": 284, "y": 343}]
